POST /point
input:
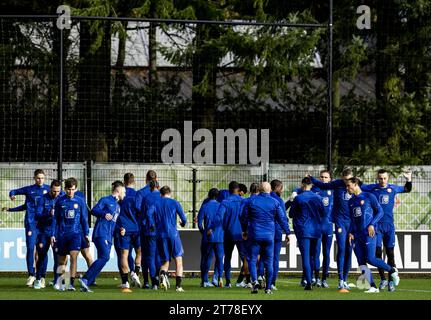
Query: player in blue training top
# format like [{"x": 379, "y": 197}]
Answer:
[
  {"x": 140, "y": 194},
  {"x": 44, "y": 216},
  {"x": 325, "y": 242},
  {"x": 107, "y": 211},
  {"x": 149, "y": 236},
  {"x": 276, "y": 191},
  {"x": 164, "y": 222},
  {"x": 230, "y": 209},
  {"x": 254, "y": 191},
  {"x": 68, "y": 224},
  {"x": 127, "y": 236},
  {"x": 307, "y": 212},
  {"x": 261, "y": 214},
  {"x": 341, "y": 218},
  {"x": 365, "y": 213},
  {"x": 32, "y": 194},
  {"x": 385, "y": 194},
  {"x": 212, "y": 232},
  {"x": 129, "y": 220}
]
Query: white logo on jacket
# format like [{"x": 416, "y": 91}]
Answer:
[{"x": 357, "y": 212}]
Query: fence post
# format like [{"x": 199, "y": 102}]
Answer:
[
  {"x": 61, "y": 103},
  {"x": 194, "y": 197},
  {"x": 89, "y": 189}
]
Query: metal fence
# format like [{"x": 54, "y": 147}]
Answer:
[{"x": 191, "y": 183}]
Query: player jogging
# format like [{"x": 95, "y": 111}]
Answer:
[
  {"x": 385, "y": 194},
  {"x": 70, "y": 220},
  {"x": 365, "y": 213},
  {"x": 169, "y": 244},
  {"x": 107, "y": 211}
]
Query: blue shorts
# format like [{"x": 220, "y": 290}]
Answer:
[
  {"x": 327, "y": 229},
  {"x": 68, "y": 243},
  {"x": 168, "y": 248},
  {"x": 129, "y": 240},
  {"x": 84, "y": 243},
  {"x": 43, "y": 240},
  {"x": 386, "y": 234}
]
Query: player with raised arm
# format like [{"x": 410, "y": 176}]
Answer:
[
  {"x": 385, "y": 194},
  {"x": 341, "y": 217},
  {"x": 307, "y": 212},
  {"x": 32, "y": 194},
  {"x": 169, "y": 244},
  {"x": 260, "y": 215},
  {"x": 366, "y": 212},
  {"x": 107, "y": 211},
  {"x": 70, "y": 220}
]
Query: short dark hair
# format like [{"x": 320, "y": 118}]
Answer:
[
  {"x": 254, "y": 188},
  {"x": 276, "y": 184},
  {"x": 165, "y": 190},
  {"x": 55, "y": 183},
  {"x": 242, "y": 187},
  {"x": 116, "y": 184},
  {"x": 346, "y": 172},
  {"x": 38, "y": 171},
  {"x": 306, "y": 181},
  {"x": 213, "y": 193},
  {"x": 354, "y": 180},
  {"x": 233, "y": 185},
  {"x": 151, "y": 175},
  {"x": 70, "y": 182},
  {"x": 129, "y": 178},
  {"x": 326, "y": 171},
  {"x": 382, "y": 171}
]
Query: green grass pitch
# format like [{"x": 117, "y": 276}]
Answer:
[{"x": 13, "y": 288}]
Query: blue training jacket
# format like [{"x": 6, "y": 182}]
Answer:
[
  {"x": 165, "y": 213},
  {"x": 386, "y": 198},
  {"x": 127, "y": 218},
  {"x": 32, "y": 195},
  {"x": 146, "y": 223},
  {"x": 103, "y": 228},
  {"x": 212, "y": 221},
  {"x": 43, "y": 213},
  {"x": 278, "y": 229},
  {"x": 365, "y": 210},
  {"x": 140, "y": 194},
  {"x": 223, "y": 194},
  {"x": 262, "y": 213},
  {"x": 70, "y": 217},
  {"x": 307, "y": 212},
  {"x": 230, "y": 210},
  {"x": 340, "y": 210}
]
